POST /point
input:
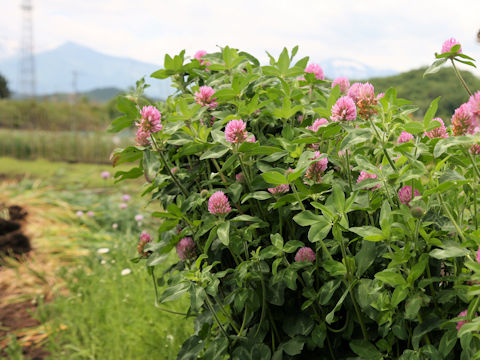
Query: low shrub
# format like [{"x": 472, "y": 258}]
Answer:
[{"x": 312, "y": 219}]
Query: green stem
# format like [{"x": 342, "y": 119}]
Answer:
[
  {"x": 449, "y": 214},
  {"x": 264, "y": 303},
  {"x": 298, "y": 197},
  {"x": 472, "y": 314},
  {"x": 212, "y": 310},
  {"x": 392, "y": 164},
  {"x": 355, "y": 305},
  {"x": 349, "y": 175},
  {"x": 225, "y": 313},
  {"x": 174, "y": 177},
  {"x": 461, "y": 78},
  {"x": 152, "y": 272}
]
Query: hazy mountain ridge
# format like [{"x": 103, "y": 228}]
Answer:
[{"x": 57, "y": 69}]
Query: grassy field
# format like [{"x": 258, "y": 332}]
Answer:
[
  {"x": 71, "y": 146},
  {"x": 90, "y": 300}
]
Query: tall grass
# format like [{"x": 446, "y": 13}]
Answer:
[{"x": 70, "y": 146}]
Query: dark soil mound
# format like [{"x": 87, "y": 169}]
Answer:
[
  {"x": 15, "y": 243},
  {"x": 12, "y": 240},
  {"x": 17, "y": 212}
]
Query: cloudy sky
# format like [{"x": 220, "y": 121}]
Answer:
[{"x": 397, "y": 35}]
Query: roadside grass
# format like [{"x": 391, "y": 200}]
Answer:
[{"x": 87, "y": 308}]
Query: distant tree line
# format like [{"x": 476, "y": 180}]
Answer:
[
  {"x": 421, "y": 91},
  {"x": 4, "y": 91}
]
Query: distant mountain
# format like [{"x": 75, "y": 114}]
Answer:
[
  {"x": 352, "y": 69},
  {"x": 57, "y": 68},
  {"x": 55, "y": 71}
]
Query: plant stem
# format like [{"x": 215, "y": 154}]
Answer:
[
  {"x": 461, "y": 78},
  {"x": 449, "y": 214},
  {"x": 392, "y": 164},
  {"x": 264, "y": 303},
  {"x": 212, "y": 310},
  {"x": 156, "y": 297},
  {"x": 174, "y": 177},
  {"x": 349, "y": 175},
  {"x": 298, "y": 197}
]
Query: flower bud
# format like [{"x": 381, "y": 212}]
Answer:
[{"x": 417, "y": 212}]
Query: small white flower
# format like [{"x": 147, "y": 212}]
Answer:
[
  {"x": 103, "y": 262},
  {"x": 139, "y": 218},
  {"x": 103, "y": 250},
  {"x": 114, "y": 226},
  {"x": 170, "y": 337},
  {"x": 126, "y": 271}
]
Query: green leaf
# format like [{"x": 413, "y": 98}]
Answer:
[
  {"x": 369, "y": 233},
  {"x": 412, "y": 307},
  {"x": 335, "y": 268},
  {"x": 293, "y": 346},
  {"x": 338, "y": 198},
  {"x": 449, "y": 250},
  {"x": 431, "y": 322},
  {"x": 274, "y": 177},
  {"x": 223, "y": 233},
  {"x": 306, "y": 218},
  {"x": 391, "y": 278},
  {"x": 259, "y": 195},
  {"x": 283, "y": 61},
  {"x": 365, "y": 257},
  {"x": 215, "y": 152},
  {"x": 414, "y": 127},
  {"x": 331, "y": 314},
  {"x": 174, "y": 292},
  {"x": 129, "y": 154},
  {"x": 292, "y": 245},
  {"x": 355, "y": 137},
  {"x": 432, "y": 110},
  {"x": 444, "y": 144},
  {"x": 277, "y": 241},
  {"x": 365, "y": 349},
  {"x": 151, "y": 164},
  {"x": 437, "y": 64},
  {"x": 319, "y": 230},
  {"x": 447, "y": 342},
  {"x": 399, "y": 294}
]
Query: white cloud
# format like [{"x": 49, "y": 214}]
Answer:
[{"x": 379, "y": 33}]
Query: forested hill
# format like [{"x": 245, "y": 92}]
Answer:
[{"x": 411, "y": 85}]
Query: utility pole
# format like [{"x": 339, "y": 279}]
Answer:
[{"x": 27, "y": 61}]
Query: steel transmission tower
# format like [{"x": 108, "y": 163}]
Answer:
[{"x": 27, "y": 61}]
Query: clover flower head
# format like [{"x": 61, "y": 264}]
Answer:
[
  {"x": 315, "y": 69},
  {"x": 353, "y": 91},
  {"x": 463, "y": 121},
  {"x": 438, "y": 132},
  {"x": 448, "y": 44},
  {"x": 186, "y": 249},
  {"x": 150, "y": 121},
  {"x": 204, "y": 97},
  {"x": 280, "y": 189},
  {"x": 305, "y": 254},
  {"x": 139, "y": 218},
  {"x": 145, "y": 238},
  {"x": 251, "y": 139},
  {"x": 405, "y": 194},
  {"x": 199, "y": 54},
  {"x": 126, "y": 197},
  {"x": 105, "y": 175},
  {"x": 344, "y": 109},
  {"x": 218, "y": 204},
  {"x": 235, "y": 132},
  {"x": 404, "y": 137},
  {"x": 464, "y": 313},
  {"x": 475, "y": 149},
  {"x": 364, "y": 175},
  {"x": 343, "y": 84},
  {"x": 239, "y": 177},
  {"x": 317, "y": 168},
  {"x": 317, "y": 123},
  {"x": 474, "y": 104}
]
